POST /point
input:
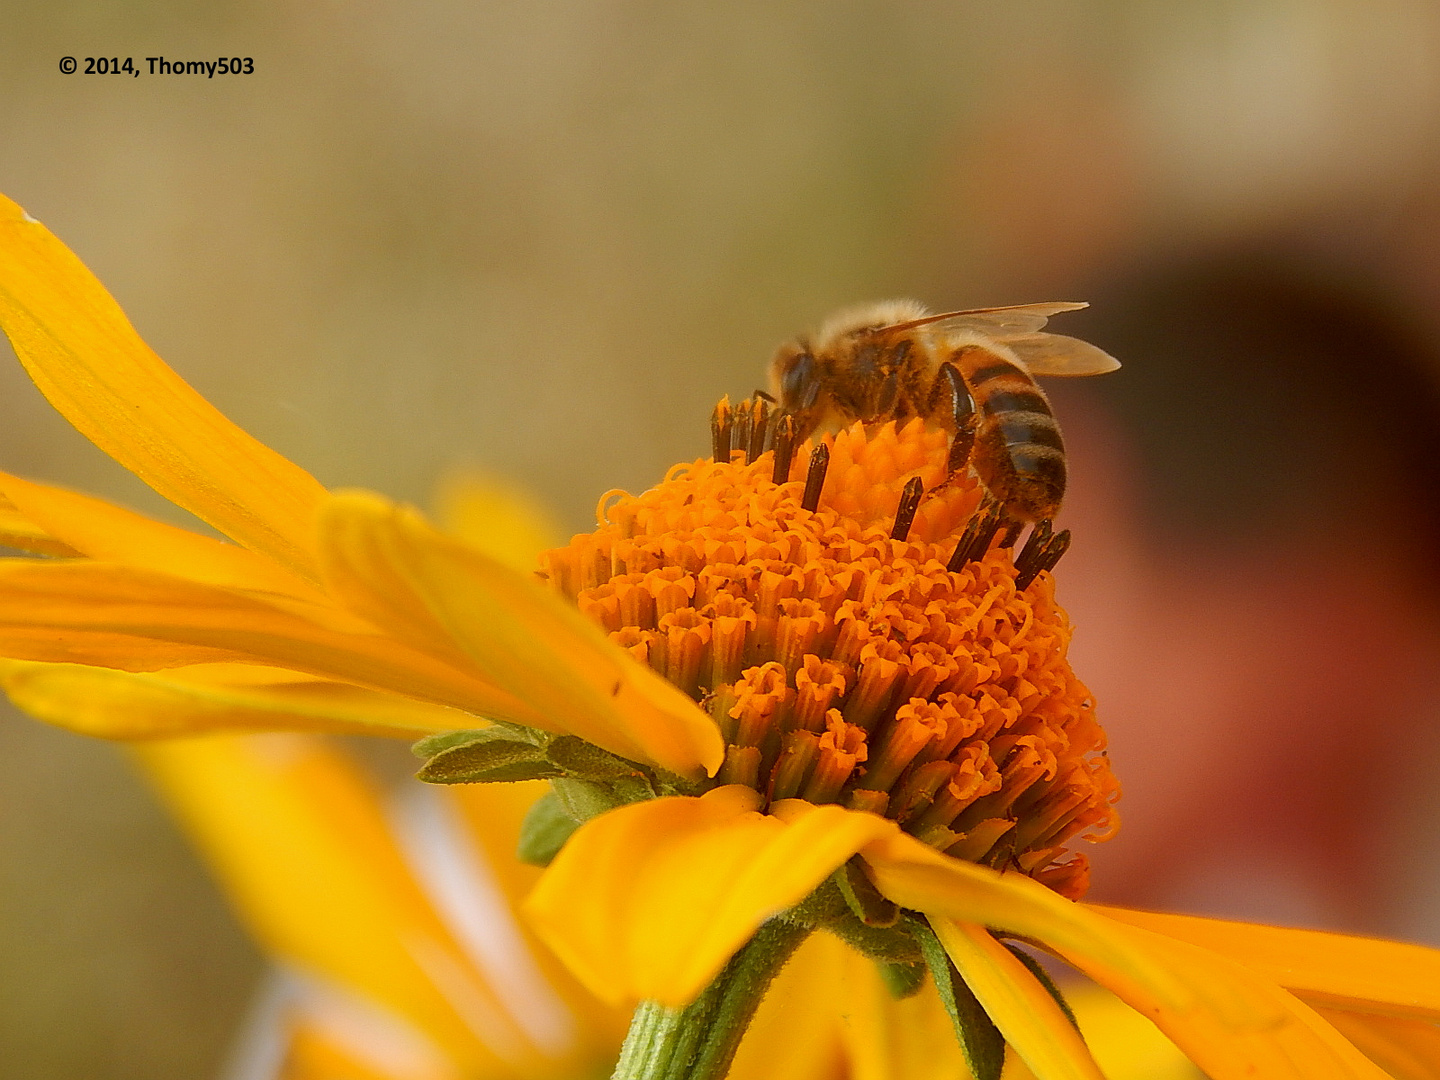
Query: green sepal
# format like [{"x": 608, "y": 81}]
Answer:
[
  {"x": 431, "y": 745},
  {"x": 544, "y": 831},
  {"x": 902, "y": 980},
  {"x": 1043, "y": 978},
  {"x": 488, "y": 761},
  {"x": 576, "y": 757},
  {"x": 863, "y": 898},
  {"x": 584, "y": 799},
  {"x": 980, "y": 1039}
]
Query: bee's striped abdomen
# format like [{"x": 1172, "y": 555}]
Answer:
[{"x": 1018, "y": 455}]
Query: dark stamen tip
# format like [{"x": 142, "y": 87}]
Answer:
[
  {"x": 905, "y": 513},
  {"x": 759, "y": 428},
  {"x": 815, "y": 477},
  {"x": 784, "y": 448},
  {"x": 721, "y": 422}
]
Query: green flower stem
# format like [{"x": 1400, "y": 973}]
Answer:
[{"x": 699, "y": 1041}]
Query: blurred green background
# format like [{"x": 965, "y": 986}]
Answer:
[{"x": 541, "y": 239}]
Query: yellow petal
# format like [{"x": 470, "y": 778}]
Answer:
[
  {"x": 1020, "y": 1006},
  {"x": 1351, "y": 972},
  {"x": 497, "y": 518},
  {"x": 1406, "y": 1048},
  {"x": 85, "y": 525},
  {"x": 19, "y": 532},
  {"x": 113, "y": 704},
  {"x": 104, "y": 615},
  {"x": 919, "y": 877},
  {"x": 797, "y": 1031},
  {"x": 1241, "y": 1025},
  {"x": 885, "y": 1039},
  {"x": 303, "y": 848},
  {"x": 387, "y": 564},
  {"x": 88, "y": 360},
  {"x": 651, "y": 900}
]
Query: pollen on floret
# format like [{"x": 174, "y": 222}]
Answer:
[{"x": 848, "y": 659}]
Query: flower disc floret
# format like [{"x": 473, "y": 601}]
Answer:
[{"x": 843, "y": 665}]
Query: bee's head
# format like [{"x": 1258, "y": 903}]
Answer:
[{"x": 794, "y": 377}]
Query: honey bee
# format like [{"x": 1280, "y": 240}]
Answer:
[{"x": 970, "y": 372}]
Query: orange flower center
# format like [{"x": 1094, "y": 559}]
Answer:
[{"x": 840, "y": 657}]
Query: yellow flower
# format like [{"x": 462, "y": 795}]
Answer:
[{"x": 343, "y": 612}]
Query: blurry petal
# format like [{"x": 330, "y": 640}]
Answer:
[
  {"x": 1242, "y": 1025},
  {"x": 1350, "y": 972},
  {"x": 1406, "y": 1048},
  {"x": 212, "y": 697},
  {"x": 85, "y": 525},
  {"x": 88, "y": 360},
  {"x": 651, "y": 900},
  {"x": 1021, "y": 1007},
  {"x": 497, "y": 518},
  {"x": 389, "y": 565},
  {"x": 492, "y": 815},
  {"x": 796, "y": 1032},
  {"x": 303, "y": 849},
  {"x": 114, "y": 616}
]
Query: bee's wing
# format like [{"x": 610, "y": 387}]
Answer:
[
  {"x": 1001, "y": 322},
  {"x": 1056, "y": 354}
]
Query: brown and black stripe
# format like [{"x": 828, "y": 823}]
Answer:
[{"x": 1018, "y": 455}]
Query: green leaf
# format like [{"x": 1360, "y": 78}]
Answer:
[
  {"x": 980, "y": 1039},
  {"x": 486, "y": 762},
  {"x": 544, "y": 831},
  {"x": 583, "y": 799},
  {"x": 902, "y": 980},
  {"x": 1043, "y": 978}
]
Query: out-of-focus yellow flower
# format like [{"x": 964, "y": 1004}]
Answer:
[{"x": 343, "y": 612}]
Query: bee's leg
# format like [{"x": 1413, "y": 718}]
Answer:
[
  {"x": 1041, "y": 552},
  {"x": 951, "y": 401},
  {"x": 905, "y": 512},
  {"x": 975, "y": 540},
  {"x": 1012, "y": 533},
  {"x": 886, "y": 396}
]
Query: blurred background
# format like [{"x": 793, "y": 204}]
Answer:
[{"x": 541, "y": 239}]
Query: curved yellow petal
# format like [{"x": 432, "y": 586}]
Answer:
[
  {"x": 387, "y": 564},
  {"x": 88, "y": 360},
  {"x": 1241, "y": 1026},
  {"x": 1406, "y": 1048},
  {"x": 85, "y": 525},
  {"x": 921, "y": 878},
  {"x": 651, "y": 900},
  {"x": 1351, "y": 972},
  {"x": 113, "y": 704},
  {"x": 104, "y": 615},
  {"x": 303, "y": 848},
  {"x": 1021, "y": 1008}
]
